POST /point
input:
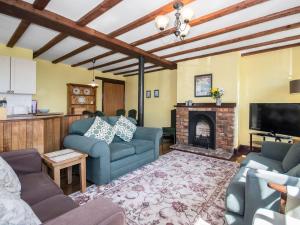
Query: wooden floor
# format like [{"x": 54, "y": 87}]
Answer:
[{"x": 165, "y": 148}]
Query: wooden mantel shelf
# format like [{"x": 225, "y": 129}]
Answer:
[{"x": 207, "y": 105}]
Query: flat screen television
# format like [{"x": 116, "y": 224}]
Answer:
[{"x": 276, "y": 118}]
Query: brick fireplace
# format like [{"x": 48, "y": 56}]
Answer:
[{"x": 206, "y": 125}]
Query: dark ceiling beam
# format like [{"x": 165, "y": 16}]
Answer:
[
  {"x": 87, "y": 18},
  {"x": 134, "y": 70},
  {"x": 271, "y": 49},
  {"x": 200, "y": 20},
  {"x": 149, "y": 71},
  {"x": 139, "y": 22},
  {"x": 120, "y": 68},
  {"x": 24, "y": 10},
  {"x": 263, "y": 19},
  {"x": 262, "y": 44},
  {"x": 236, "y": 40},
  {"x": 38, "y": 4},
  {"x": 110, "y": 63}
]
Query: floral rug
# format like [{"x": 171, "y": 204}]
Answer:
[{"x": 179, "y": 188}]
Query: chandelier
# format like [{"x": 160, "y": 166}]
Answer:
[
  {"x": 182, "y": 18},
  {"x": 93, "y": 83}
]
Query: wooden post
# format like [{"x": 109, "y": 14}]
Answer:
[{"x": 141, "y": 91}]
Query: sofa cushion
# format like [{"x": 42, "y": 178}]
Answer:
[
  {"x": 257, "y": 161},
  {"x": 124, "y": 129},
  {"x": 9, "y": 180},
  {"x": 292, "y": 158},
  {"x": 37, "y": 187},
  {"x": 15, "y": 211},
  {"x": 101, "y": 130},
  {"x": 235, "y": 196},
  {"x": 295, "y": 171},
  {"x": 120, "y": 150},
  {"x": 59, "y": 204},
  {"x": 141, "y": 145}
]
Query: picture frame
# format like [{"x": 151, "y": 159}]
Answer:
[
  {"x": 148, "y": 94},
  {"x": 203, "y": 85},
  {"x": 156, "y": 93}
]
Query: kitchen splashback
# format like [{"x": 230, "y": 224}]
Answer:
[{"x": 18, "y": 104}]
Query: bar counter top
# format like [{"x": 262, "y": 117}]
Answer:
[{"x": 32, "y": 116}]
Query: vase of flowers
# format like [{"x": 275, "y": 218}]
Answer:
[{"x": 217, "y": 93}]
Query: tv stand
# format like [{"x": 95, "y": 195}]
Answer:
[{"x": 278, "y": 138}]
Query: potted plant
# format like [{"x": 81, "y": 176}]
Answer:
[{"x": 217, "y": 93}]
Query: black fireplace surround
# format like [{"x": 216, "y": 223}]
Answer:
[{"x": 202, "y": 129}]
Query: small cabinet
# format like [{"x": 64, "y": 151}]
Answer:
[
  {"x": 23, "y": 76},
  {"x": 17, "y": 76},
  {"x": 4, "y": 74}
]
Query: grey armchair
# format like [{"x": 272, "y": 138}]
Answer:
[{"x": 248, "y": 190}]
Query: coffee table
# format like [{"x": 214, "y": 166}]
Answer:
[{"x": 66, "y": 158}]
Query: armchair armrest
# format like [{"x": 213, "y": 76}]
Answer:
[
  {"x": 151, "y": 134},
  {"x": 97, "y": 212},
  {"x": 259, "y": 195},
  {"x": 90, "y": 146},
  {"x": 275, "y": 150},
  {"x": 23, "y": 161}
]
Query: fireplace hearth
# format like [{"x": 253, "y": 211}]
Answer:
[{"x": 202, "y": 128}]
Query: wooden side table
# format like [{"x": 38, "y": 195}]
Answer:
[{"x": 66, "y": 159}]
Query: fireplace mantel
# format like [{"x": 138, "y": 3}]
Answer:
[{"x": 207, "y": 105}]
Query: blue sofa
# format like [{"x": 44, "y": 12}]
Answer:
[
  {"x": 107, "y": 162},
  {"x": 248, "y": 190}
]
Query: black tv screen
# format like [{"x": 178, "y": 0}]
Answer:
[{"x": 279, "y": 118}]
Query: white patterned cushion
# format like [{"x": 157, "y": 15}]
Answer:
[
  {"x": 101, "y": 130},
  {"x": 9, "y": 180},
  {"x": 15, "y": 211},
  {"x": 125, "y": 128}
]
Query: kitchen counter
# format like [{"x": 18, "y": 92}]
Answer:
[{"x": 33, "y": 117}]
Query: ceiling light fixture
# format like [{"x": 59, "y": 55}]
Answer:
[
  {"x": 93, "y": 83},
  {"x": 182, "y": 18}
]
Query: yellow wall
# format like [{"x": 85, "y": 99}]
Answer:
[
  {"x": 157, "y": 110},
  {"x": 52, "y": 79},
  {"x": 264, "y": 79}
]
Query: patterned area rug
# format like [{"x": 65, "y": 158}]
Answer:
[{"x": 179, "y": 188}]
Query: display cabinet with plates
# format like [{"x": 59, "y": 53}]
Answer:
[{"x": 81, "y": 97}]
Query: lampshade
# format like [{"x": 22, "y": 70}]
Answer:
[
  {"x": 161, "y": 22},
  {"x": 93, "y": 84},
  {"x": 294, "y": 86},
  {"x": 187, "y": 14},
  {"x": 186, "y": 30}
]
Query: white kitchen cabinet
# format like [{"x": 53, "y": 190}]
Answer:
[
  {"x": 4, "y": 74},
  {"x": 23, "y": 76}
]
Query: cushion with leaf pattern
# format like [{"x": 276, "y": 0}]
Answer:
[
  {"x": 101, "y": 130},
  {"x": 9, "y": 180},
  {"x": 125, "y": 129}
]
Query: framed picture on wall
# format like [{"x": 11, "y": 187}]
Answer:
[
  {"x": 148, "y": 94},
  {"x": 156, "y": 94},
  {"x": 203, "y": 85}
]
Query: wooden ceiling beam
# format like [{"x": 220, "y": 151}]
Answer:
[
  {"x": 86, "y": 19},
  {"x": 236, "y": 40},
  {"x": 262, "y": 44},
  {"x": 271, "y": 49},
  {"x": 203, "y": 19},
  {"x": 135, "y": 70},
  {"x": 38, "y": 4},
  {"x": 110, "y": 63},
  {"x": 263, "y": 19},
  {"x": 120, "y": 68},
  {"x": 24, "y": 10},
  {"x": 139, "y": 22},
  {"x": 211, "y": 16},
  {"x": 149, "y": 71}
]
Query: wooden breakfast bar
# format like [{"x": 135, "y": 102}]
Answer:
[{"x": 43, "y": 132}]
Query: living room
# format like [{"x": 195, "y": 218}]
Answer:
[{"x": 162, "y": 124}]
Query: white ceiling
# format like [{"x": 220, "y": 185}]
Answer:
[{"x": 128, "y": 11}]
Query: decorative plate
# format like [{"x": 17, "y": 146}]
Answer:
[
  {"x": 87, "y": 91},
  {"x": 76, "y": 91},
  {"x": 81, "y": 100}
]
